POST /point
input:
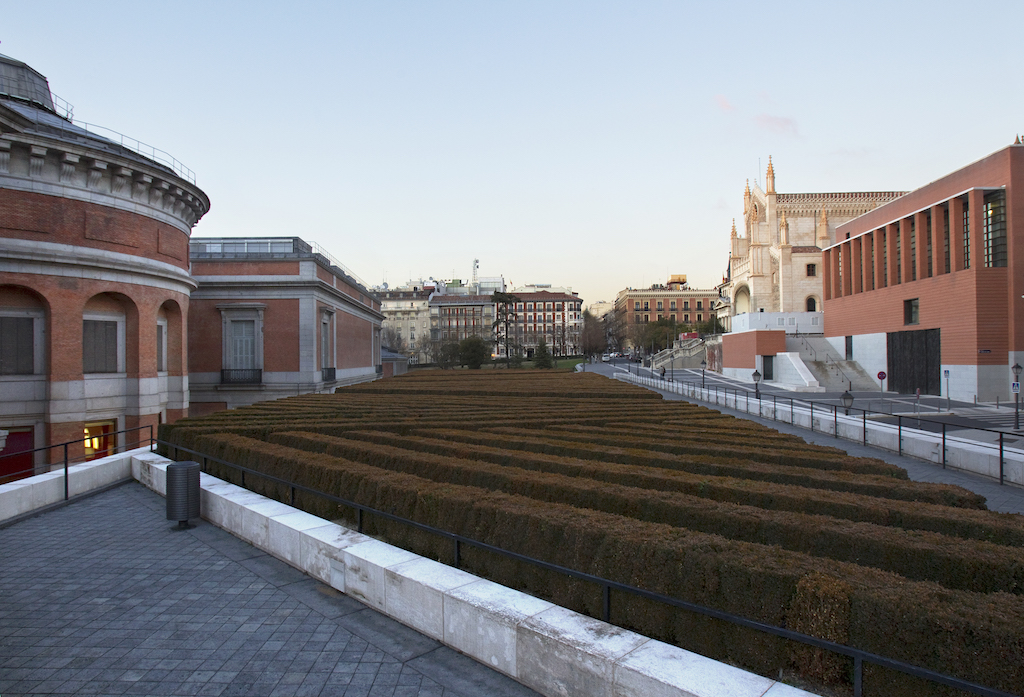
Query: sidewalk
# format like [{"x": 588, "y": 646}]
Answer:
[{"x": 104, "y": 597}]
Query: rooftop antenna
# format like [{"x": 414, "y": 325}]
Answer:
[{"x": 476, "y": 265}]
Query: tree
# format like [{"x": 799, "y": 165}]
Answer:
[
  {"x": 447, "y": 355},
  {"x": 473, "y": 351},
  {"x": 658, "y": 334},
  {"x": 594, "y": 340},
  {"x": 712, "y": 326},
  {"x": 504, "y": 316},
  {"x": 541, "y": 355},
  {"x": 392, "y": 338}
]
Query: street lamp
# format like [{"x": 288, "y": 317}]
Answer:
[
  {"x": 757, "y": 387},
  {"x": 703, "y": 366},
  {"x": 847, "y": 399},
  {"x": 1016, "y": 396}
]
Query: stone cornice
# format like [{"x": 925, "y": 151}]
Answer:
[
  {"x": 47, "y": 165},
  {"x": 52, "y": 259},
  {"x": 225, "y": 288}
]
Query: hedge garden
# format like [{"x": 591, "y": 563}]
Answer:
[{"x": 609, "y": 479}]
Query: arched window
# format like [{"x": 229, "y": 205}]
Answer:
[{"x": 812, "y": 305}]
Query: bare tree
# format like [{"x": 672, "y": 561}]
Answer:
[
  {"x": 392, "y": 338},
  {"x": 505, "y": 315}
]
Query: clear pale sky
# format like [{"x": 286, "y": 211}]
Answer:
[{"x": 597, "y": 145}]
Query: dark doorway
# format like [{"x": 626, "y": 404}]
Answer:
[
  {"x": 17, "y": 466},
  {"x": 768, "y": 367},
  {"x": 849, "y": 348},
  {"x": 915, "y": 361}
]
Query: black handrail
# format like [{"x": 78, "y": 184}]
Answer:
[
  {"x": 14, "y": 476},
  {"x": 695, "y": 390},
  {"x": 859, "y": 656}
]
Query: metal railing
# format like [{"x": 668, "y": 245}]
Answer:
[
  {"x": 858, "y": 656},
  {"x": 243, "y": 376},
  {"x": 67, "y": 461},
  {"x": 768, "y": 406}
]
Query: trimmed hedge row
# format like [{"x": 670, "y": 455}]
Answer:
[
  {"x": 791, "y": 458},
  {"x": 954, "y": 563},
  {"x": 971, "y": 635},
  {"x": 910, "y": 514}
]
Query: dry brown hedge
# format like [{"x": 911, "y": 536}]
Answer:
[{"x": 608, "y": 478}]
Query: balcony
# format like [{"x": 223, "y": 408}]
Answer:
[
  {"x": 328, "y": 374},
  {"x": 244, "y": 376}
]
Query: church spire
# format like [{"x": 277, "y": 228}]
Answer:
[
  {"x": 746, "y": 198},
  {"x": 733, "y": 228},
  {"x": 770, "y": 178}
]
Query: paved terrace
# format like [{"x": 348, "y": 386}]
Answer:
[{"x": 104, "y": 597}]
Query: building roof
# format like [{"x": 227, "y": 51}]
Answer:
[{"x": 461, "y": 300}]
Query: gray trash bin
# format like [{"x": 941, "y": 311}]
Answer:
[{"x": 183, "y": 491}]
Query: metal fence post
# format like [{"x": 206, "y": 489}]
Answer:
[
  {"x": 943, "y": 445},
  {"x": 65, "y": 471},
  {"x": 835, "y": 421},
  {"x": 775, "y": 407},
  {"x": 899, "y": 433},
  {"x": 864, "y": 414},
  {"x": 1000, "y": 458},
  {"x": 812, "y": 416}
]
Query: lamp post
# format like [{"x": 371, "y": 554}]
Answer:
[
  {"x": 847, "y": 400},
  {"x": 1016, "y": 396},
  {"x": 757, "y": 384},
  {"x": 703, "y": 366}
]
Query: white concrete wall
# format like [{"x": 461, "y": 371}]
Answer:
[
  {"x": 870, "y": 351},
  {"x": 792, "y": 322}
]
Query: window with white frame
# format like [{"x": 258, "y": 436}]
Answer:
[
  {"x": 242, "y": 330},
  {"x": 161, "y": 346},
  {"x": 102, "y": 343}
]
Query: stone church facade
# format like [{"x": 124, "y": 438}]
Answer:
[{"x": 775, "y": 265}]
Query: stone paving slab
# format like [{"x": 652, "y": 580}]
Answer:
[{"x": 104, "y": 597}]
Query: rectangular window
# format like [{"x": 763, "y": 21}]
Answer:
[
  {"x": 647, "y": 305},
  {"x": 913, "y": 249},
  {"x": 700, "y": 306},
  {"x": 899, "y": 256},
  {"x": 99, "y": 346},
  {"x": 812, "y": 270},
  {"x": 686, "y": 304},
  {"x": 16, "y": 346},
  {"x": 672, "y": 305},
  {"x": 243, "y": 344},
  {"x": 967, "y": 235},
  {"x": 661, "y": 305},
  {"x": 161, "y": 365},
  {"x": 686, "y": 318},
  {"x": 945, "y": 237},
  {"x": 994, "y": 221},
  {"x": 700, "y": 318},
  {"x": 910, "y": 311},
  {"x": 928, "y": 248},
  {"x": 885, "y": 259}
]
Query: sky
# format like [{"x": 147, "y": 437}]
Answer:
[{"x": 596, "y": 145}]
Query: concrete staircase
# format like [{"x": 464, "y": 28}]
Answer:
[
  {"x": 685, "y": 354},
  {"x": 829, "y": 368}
]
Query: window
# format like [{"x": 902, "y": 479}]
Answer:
[
  {"x": 812, "y": 305},
  {"x": 812, "y": 269},
  {"x": 686, "y": 318},
  {"x": 242, "y": 351},
  {"x": 700, "y": 305},
  {"x": 967, "y": 234},
  {"x": 993, "y": 219},
  {"x": 161, "y": 347},
  {"x": 99, "y": 346},
  {"x": 700, "y": 318},
  {"x": 17, "y": 346},
  {"x": 661, "y": 305},
  {"x": 686, "y": 304},
  {"x": 647, "y": 305},
  {"x": 672, "y": 306},
  {"x": 636, "y": 305},
  {"x": 910, "y": 311}
]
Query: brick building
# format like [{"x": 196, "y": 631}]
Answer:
[
  {"x": 553, "y": 315},
  {"x": 274, "y": 317},
  {"x": 674, "y": 300},
  {"x": 932, "y": 282},
  {"x": 94, "y": 282}
]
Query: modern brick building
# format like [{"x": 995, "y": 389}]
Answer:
[
  {"x": 94, "y": 281},
  {"x": 928, "y": 287},
  {"x": 275, "y": 317}
]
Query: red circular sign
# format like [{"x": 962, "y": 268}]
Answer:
[{"x": 881, "y": 375}]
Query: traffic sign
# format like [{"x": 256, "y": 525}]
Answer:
[
  {"x": 1015, "y": 388},
  {"x": 945, "y": 373},
  {"x": 881, "y": 375}
]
